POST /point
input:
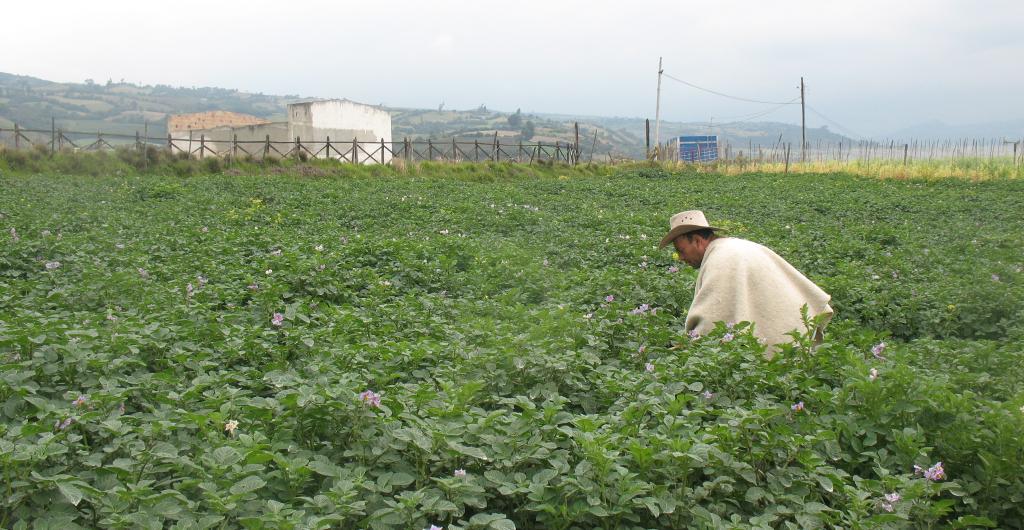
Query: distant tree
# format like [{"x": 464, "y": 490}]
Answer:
[
  {"x": 515, "y": 120},
  {"x": 90, "y": 82},
  {"x": 529, "y": 130}
]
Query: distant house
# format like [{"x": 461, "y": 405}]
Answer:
[{"x": 312, "y": 123}]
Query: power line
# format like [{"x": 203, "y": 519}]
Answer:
[
  {"x": 758, "y": 114},
  {"x": 838, "y": 125},
  {"x": 715, "y": 92}
]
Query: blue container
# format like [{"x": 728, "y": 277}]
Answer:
[{"x": 698, "y": 148}]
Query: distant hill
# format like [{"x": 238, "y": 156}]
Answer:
[{"x": 118, "y": 107}]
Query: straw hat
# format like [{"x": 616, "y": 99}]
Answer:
[{"x": 683, "y": 223}]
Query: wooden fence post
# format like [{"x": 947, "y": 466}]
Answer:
[
  {"x": 327, "y": 147},
  {"x": 576, "y": 145},
  {"x": 298, "y": 147},
  {"x": 494, "y": 147},
  {"x": 407, "y": 148},
  {"x": 476, "y": 150},
  {"x": 170, "y": 144},
  {"x": 355, "y": 150},
  {"x": 17, "y": 137},
  {"x": 53, "y": 135},
  {"x": 382, "y": 151},
  {"x": 202, "y": 145},
  {"x": 454, "y": 150},
  {"x": 234, "y": 146},
  {"x": 266, "y": 148}
]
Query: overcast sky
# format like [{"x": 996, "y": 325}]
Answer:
[{"x": 870, "y": 66}]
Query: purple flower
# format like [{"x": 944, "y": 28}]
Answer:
[
  {"x": 277, "y": 319},
  {"x": 79, "y": 401},
  {"x": 673, "y": 269},
  {"x": 730, "y": 325},
  {"x": 935, "y": 472},
  {"x": 61, "y": 425},
  {"x": 254, "y": 286},
  {"x": 121, "y": 408},
  {"x": 433, "y": 527},
  {"x": 143, "y": 273},
  {"x": 460, "y": 473},
  {"x": 649, "y": 367},
  {"x": 708, "y": 394},
  {"x": 371, "y": 398},
  {"x": 995, "y": 277},
  {"x": 641, "y": 349},
  {"x": 877, "y": 350},
  {"x": 51, "y": 265},
  {"x": 189, "y": 290},
  {"x": 728, "y": 337},
  {"x": 887, "y": 506},
  {"x": 610, "y": 298},
  {"x": 640, "y": 310},
  {"x": 798, "y": 407},
  {"x": 693, "y": 334},
  {"x": 892, "y": 497}
]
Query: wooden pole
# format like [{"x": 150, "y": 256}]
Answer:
[
  {"x": 382, "y": 151},
  {"x": 355, "y": 150},
  {"x": 494, "y": 147},
  {"x": 576, "y": 145},
  {"x": 657, "y": 110},
  {"x": 647, "y": 137},
  {"x": 53, "y": 135},
  {"x": 202, "y": 145},
  {"x": 17, "y": 137},
  {"x": 327, "y": 147},
  {"x": 266, "y": 148},
  {"x": 803, "y": 124}
]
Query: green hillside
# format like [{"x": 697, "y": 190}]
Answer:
[{"x": 119, "y": 107}]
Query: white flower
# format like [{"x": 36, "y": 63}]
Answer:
[
  {"x": 51, "y": 265},
  {"x": 204, "y": 229},
  {"x": 873, "y": 374},
  {"x": 460, "y": 472},
  {"x": 231, "y": 426},
  {"x": 269, "y": 272},
  {"x": 319, "y": 248}
]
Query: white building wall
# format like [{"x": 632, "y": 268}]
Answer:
[{"x": 343, "y": 121}]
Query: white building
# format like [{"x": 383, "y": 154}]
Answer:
[{"x": 312, "y": 123}]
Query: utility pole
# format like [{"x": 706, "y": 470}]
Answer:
[
  {"x": 657, "y": 114},
  {"x": 803, "y": 124}
]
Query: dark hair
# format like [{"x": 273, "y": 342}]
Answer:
[{"x": 705, "y": 233}]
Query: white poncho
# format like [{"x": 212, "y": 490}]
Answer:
[{"x": 741, "y": 280}]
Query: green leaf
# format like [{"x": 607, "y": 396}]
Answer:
[
  {"x": 474, "y": 452},
  {"x": 825, "y": 483},
  {"x": 70, "y": 492},
  {"x": 247, "y": 484}
]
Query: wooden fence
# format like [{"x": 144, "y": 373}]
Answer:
[
  {"x": 350, "y": 151},
  {"x": 901, "y": 151}
]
